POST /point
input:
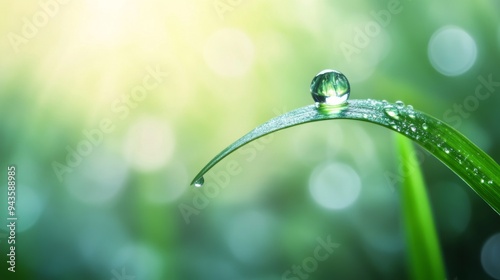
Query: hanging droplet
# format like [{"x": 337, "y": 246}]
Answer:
[
  {"x": 330, "y": 87},
  {"x": 400, "y": 104},
  {"x": 198, "y": 183}
]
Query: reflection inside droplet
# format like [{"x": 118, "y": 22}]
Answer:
[{"x": 330, "y": 87}]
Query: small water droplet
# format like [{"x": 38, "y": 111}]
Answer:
[
  {"x": 413, "y": 128},
  {"x": 400, "y": 104},
  {"x": 365, "y": 116},
  {"x": 446, "y": 150},
  {"x": 330, "y": 87},
  {"x": 412, "y": 116},
  {"x": 391, "y": 112},
  {"x": 482, "y": 180},
  {"x": 490, "y": 182},
  {"x": 409, "y": 107},
  {"x": 198, "y": 183},
  {"x": 424, "y": 126},
  {"x": 475, "y": 170}
]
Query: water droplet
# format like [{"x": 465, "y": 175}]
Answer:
[
  {"x": 482, "y": 180},
  {"x": 400, "y": 104},
  {"x": 391, "y": 112},
  {"x": 330, "y": 87},
  {"x": 490, "y": 182},
  {"x": 409, "y": 107},
  {"x": 198, "y": 183},
  {"x": 413, "y": 128},
  {"x": 424, "y": 126},
  {"x": 475, "y": 170},
  {"x": 365, "y": 116},
  {"x": 446, "y": 150},
  {"x": 411, "y": 115}
]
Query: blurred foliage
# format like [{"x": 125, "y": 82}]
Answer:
[{"x": 133, "y": 97}]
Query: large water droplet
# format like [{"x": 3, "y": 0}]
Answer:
[
  {"x": 330, "y": 87},
  {"x": 198, "y": 183}
]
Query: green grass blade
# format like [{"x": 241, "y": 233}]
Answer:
[
  {"x": 424, "y": 253},
  {"x": 464, "y": 158}
]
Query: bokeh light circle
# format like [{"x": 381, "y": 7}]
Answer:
[
  {"x": 149, "y": 144},
  {"x": 334, "y": 185},
  {"x": 490, "y": 256},
  {"x": 452, "y": 51},
  {"x": 138, "y": 261},
  {"x": 229, "y": 52},
  {"x": 98, "y": 179},
  {"x": 249, "y": 236},
  {"x": 30, "y": 204}
]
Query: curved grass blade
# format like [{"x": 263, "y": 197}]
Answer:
[
  {"x": 464, "y": 158},
  {"x": 424, "y": 254}
]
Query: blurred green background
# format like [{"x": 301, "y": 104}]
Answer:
[{"x": 109, "y": 109}]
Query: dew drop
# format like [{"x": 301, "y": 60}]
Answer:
[
  {"x": 413, "y": 128},
  {"x": 482, "y": 180},
  {"x": 198, "y": 183},
  {"x": 475, "y": 170},
  {"x": 490, "y": 182},
  {"x": 411, "y": 115},
  {"x": 424, "y": 126},
  {"x": 409, "y": 107},
  {"x": 400, "y": 104},
  {"x": 365, "y": 116},
  {"x": 391, "y": 112},
  {"x": 446, "y": 150},
  {"x": 330, "y": 87}
]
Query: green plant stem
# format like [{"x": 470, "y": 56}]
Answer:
[{"x": 423, "y": 249}]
